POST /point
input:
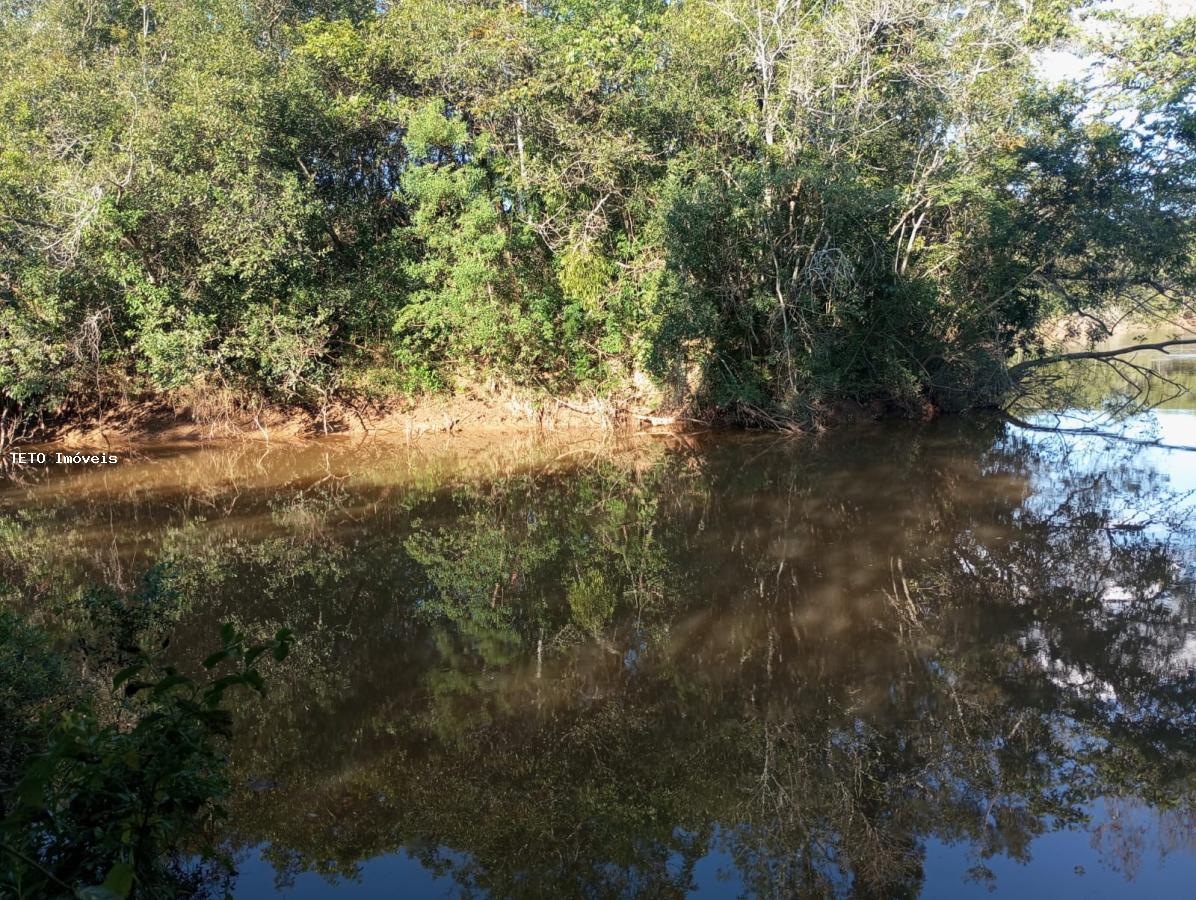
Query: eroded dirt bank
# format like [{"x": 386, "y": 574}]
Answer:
[
  {"x": 468, "y": 418},
  {"x": 470, "y": 415}
]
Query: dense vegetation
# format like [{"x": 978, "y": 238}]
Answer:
[{"x": 747, "y": 205}]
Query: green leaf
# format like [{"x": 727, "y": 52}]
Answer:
[
  {"x": 254, "y": 679},
  {"x": 125, "y": 674},
  {"x": 283, "y": 640},
  {"x": 32, "y": 789},
  {"x": 215, "y": 659},
  {"x": 119, "y": 880}
]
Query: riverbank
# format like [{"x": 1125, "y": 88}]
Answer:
[
  {"x": 468, "y": 415},
  {"x": 472, "y": 415},
  {"x": 483, "y": 413}
]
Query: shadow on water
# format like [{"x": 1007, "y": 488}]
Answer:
[{"x": 888, "y": 662}]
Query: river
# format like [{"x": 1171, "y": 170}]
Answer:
[{"x": 894, "y": 660}]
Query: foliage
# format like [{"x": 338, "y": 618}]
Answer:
[
  {"x": 108, "y": 794},
  {"x": 770, "y": 203},
  {"x": 591, "y": 602},
  {"x": 33, "y": 683}
]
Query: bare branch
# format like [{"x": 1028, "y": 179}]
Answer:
[{"x": 1020, "y": 369}]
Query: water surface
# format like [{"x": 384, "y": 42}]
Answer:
[{"x": 896, "y": 660}]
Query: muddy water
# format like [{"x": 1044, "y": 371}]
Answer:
[{"x": 897, "y": 660}]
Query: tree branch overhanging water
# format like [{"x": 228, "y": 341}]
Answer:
[{"x": 1018, "y": 370}]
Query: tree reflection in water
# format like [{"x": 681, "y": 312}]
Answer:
[{"x": 812, "y": 659}]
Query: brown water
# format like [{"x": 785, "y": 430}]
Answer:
[{"x": 897, "y": 660}]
